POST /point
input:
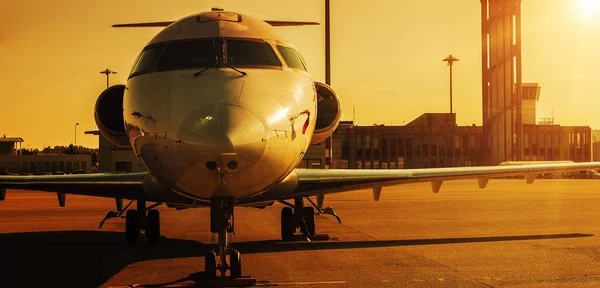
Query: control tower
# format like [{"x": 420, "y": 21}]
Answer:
[{"x": 501, "y": 80}]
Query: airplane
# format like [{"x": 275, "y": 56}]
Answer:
[{"x": 220, "y": 110}]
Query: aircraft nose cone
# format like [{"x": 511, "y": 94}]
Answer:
[{"x": 223, "y": 136}]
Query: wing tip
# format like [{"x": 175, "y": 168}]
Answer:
[
  {"x": 143, "y": 24},
  {"x": 291, "y": 23}
]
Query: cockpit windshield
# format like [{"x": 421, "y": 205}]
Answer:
[
  {"x": 189, "y": 54},
  {"x": 206, "y": 53},
  {"x": 147, "y": 59},
  {"x": 250, "y": 53},
  {"x": 291, "y": 57}
]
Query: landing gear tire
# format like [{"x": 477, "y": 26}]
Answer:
[
  {"x": 235, "y": 264},
  {"x": 210, "y": 264},
  {"x": 288, "y": 226},
  {"x": 132, "y": 229},
  {"x": 309, "y": 219},
  {"x": 153, "y": 227}
]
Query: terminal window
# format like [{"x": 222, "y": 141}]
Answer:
[{"x": 122, "y": 166}]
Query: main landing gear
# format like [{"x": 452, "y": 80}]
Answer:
[
  {"x": 222, "y": 222},
  {"x": 143, "y": 218},
  {"x": 297, "y": 216},
  {"x": 138, "y": 220}
]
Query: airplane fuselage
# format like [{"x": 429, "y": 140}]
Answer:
[{"x": 206, "y": 129}]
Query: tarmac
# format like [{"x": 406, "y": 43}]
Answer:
[{"x": 508, "y": 235}]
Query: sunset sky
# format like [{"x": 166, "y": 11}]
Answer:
[{"x": 386, "y": 57}]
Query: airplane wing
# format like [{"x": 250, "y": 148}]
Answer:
[
  {"x": 301, "y": 182},
  {"x": 133, "y": 186},
  {"x": 167, "y": 23},
  {"x": 311, "y": 182}
]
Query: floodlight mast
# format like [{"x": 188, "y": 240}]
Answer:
[
  {"x": 450, "y": 60},
  {"x": 107, "y": 72}
]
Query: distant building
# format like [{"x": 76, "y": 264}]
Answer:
[
  {"x": 555, "y": 142},
  {"x": 46, "y": 163},
  {"x": 40, "y": 163},
  {"x": 8, "y": 145},
  {"x": 112, "y": 158},
  {"x": 434, "y": 120},
  {"x": 531, "y": 95},
  {"x": 595, "y": 136},
  {"x": 595, "y": 145},
  {"x": 441, "y": 144},
  {"x": 502, "y": 88},
  {"x": 596, "y": 151},
  {"x": 431, "y": 140}
]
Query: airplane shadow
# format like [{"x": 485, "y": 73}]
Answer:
[
  {"x": 90, "y": 258},
  {"x": 278, "y": 246}
]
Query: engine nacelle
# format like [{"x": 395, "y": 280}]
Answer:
[
  {"x": 329, "y": 112},
  {"x": 108, "y": 114}
]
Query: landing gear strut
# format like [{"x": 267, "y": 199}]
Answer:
[
  {"x": 140, "y": 220},
  {"x": 298, "y": 217},
  {"x": 222, "y": 222}
]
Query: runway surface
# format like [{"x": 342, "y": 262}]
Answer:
[{"x": 508, "y": 235}]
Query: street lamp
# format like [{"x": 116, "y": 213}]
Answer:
[
  {"x": 107, "y": 72},
  {"x": 450, "y": 59},
  {"x": 76, "y": 124}
]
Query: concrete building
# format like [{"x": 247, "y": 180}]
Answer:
[
  {"x": 595, "y": 145},
  {"x": 596, "y": 151},
  {"x": 501, "y": 80},
  {"x": 555, "y": 142},
  {"x": 531, "y": 95},
  {"x": 431, "y": 140},
  {"x": 112, "y": 158},
  {"x": 10, "y": 145},
  {"x": 46, "y": 163},
  {"x": 40, "y": 163}
]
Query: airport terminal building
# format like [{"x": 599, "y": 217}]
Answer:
[
  {"x": 436, "y": 145},
  {"x": 39, "y": 163}
]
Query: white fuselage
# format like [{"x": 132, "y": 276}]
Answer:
[{"x": 220, "y": 133}]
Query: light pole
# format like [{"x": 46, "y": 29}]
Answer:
[
  {"x": 329, "y": 143},
  {"x": 76, "y": 124},
  {"x": 450, "y": 59},
  {"x": 107, "y": 72}
]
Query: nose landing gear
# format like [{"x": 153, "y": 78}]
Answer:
[{"x": 222, "y": 222}]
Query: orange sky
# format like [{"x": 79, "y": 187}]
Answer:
[{"x": 386, "y": 57}]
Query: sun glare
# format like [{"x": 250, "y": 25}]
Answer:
[{"x": 589, "y": 8}]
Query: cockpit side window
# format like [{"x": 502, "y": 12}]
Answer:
[
  {"x": 189, "y": 54},
  {"x": 147, "y": 60},
  {"x": 250, "y": 53},
  {"x": 291, "y": 57}
]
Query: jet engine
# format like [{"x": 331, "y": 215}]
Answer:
[
  {"x": 108, "y": 114},
  {"x": 329, "y": 112}
]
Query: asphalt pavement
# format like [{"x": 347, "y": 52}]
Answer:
[{"x": 508, "y": 235}]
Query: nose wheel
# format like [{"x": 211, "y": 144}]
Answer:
[{"x": 222, "y": 258}]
